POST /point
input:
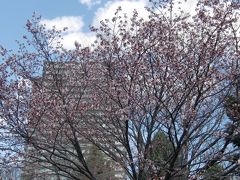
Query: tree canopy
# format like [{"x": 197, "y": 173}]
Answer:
[{"x": 167, "y": 75}]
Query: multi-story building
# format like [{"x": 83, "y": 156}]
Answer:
[{"x": 60, "y": 90}]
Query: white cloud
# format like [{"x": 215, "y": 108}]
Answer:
[
  {"x": 180, "y": 7},
  {"x": 106, "y": 12},
  {"x": 128, "y": 7},
  {"x": 74, "y": 23},
  {"x": 187, "y": 6},
  {"x": 85, "y": 39},
  {"x": 73, "y": 33},
  {"x": 90, "y": 3}
]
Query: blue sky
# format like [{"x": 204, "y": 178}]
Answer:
[
  {"x": 14, "y": 14},
  {"x": 76, "y": 14}
]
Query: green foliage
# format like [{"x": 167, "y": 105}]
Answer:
[
  {"x": 232, "y": 106},
  {"x": 161, "y": 154},
  {"x": 236, "y": 140},
  {"x": 99, "y": 164},
  {"x": 214, "y": 173},
  {"x": 162, "y": 148}
]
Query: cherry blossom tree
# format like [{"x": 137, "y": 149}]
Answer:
[
  {"x": 36, "y": 103},
  {"x": 167, "y": 75}
]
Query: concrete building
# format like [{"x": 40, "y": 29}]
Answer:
[{"x": 61, "y": 79}]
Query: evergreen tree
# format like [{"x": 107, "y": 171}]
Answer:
[
  {"x": 162, "y": 152},
  {"x": 232, "y": 106},
  {"x": 214, "y": 173},
  {"x": 101, "y": 166}
]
